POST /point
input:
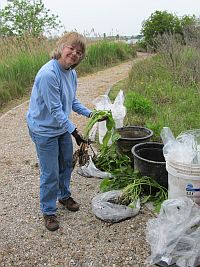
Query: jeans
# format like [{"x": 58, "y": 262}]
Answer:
[{"x": 55, "y": 160}]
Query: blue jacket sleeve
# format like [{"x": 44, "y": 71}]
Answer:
[{"x": 77, "y": 106}]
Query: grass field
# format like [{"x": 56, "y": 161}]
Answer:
[
  {"x": 157, "y": 95},
  {"x": 20, "y": 60}
]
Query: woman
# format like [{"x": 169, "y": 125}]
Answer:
[{"x": 52, "y": 99}]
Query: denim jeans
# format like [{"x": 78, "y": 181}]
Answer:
[{"x": 55, "y": 160}]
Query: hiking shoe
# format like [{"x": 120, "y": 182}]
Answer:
[
  {"x": 51, "y": 222},
  {"x": 70, "y": 204}
]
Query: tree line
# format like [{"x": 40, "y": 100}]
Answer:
[{"x": 163, "y": 22}]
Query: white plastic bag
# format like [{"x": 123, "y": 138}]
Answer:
[
  {"x": 191, "y": 140},
  {"x": 183, "y": 149},
  {"x": 104, "y": 207},
  {"x": 102, "y": 103},
  {"x": 90, "y": 170},
  {"x": 93, "y": 131},
  {"x": 174, "y": 236},
  {"x": 117, "y": 108}
]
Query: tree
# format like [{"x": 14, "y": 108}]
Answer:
[
  {"x": 161, "y": 22},
  {"x": 27, "y": 17}
]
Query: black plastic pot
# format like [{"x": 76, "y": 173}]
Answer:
[
  {"x": 149, "y": 161},
  {"x": 130, "y": 136}
]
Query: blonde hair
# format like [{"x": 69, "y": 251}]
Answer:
[{"x": 70, "y": 38}]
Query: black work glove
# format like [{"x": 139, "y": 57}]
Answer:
[{"x": 78, "y": 137}]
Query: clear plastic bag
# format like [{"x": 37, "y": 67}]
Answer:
[
  {"x": 192, "y": 139},
  {"x": 117, "y": 108},
  {"x": 183, "y": 149},
  {"x": 90, "y": 170},
  {"x": 93, "y": 131},
  {"x": 105, "y": 208},
  {"x": 174, "y": 236}
]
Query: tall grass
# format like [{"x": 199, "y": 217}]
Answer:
[
  {"x": 21, "y": 58},
  {"x": 105, "y": 53},
  {"x": 164, "y": 90}
]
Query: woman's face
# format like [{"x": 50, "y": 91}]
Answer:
[{"x": 71, "y": 55}]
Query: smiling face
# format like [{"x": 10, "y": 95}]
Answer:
[
  {"x": 71, "y": 55},
  {"x": 70, "y": 49}
]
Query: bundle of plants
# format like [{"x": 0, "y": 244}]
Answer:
[
  {"x": 110, "y": 159},
  {"x": 81, "y": 155},
  {"x": 121, "y": 177},
  {"x": 134, "y": 187},
  {"x": 98, "y": 116}
]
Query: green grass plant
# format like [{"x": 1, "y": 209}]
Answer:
[
  {"x": 19, "y": 63},
  {"x": 138, "y": 104},
  {"x": 104, "y": 54},
  {"x": 21, "y": 58},
  {"x": 174, "y": 104}
]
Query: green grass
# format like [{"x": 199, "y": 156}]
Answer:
[
  {"x": 159, "y": 100},
  {"x": 104, "y": 54},
  {"x": 138, "y": 104},
  {"x": 20, "y": 60}
]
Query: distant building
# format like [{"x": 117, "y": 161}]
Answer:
[{"x": 131, "y": 41}]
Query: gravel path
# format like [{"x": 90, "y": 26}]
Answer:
[{"x": 82, "y": 240}]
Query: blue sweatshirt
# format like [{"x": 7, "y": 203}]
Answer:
[{"x": 52, "y": 99}]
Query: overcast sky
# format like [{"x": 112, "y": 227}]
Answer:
[{"x": 123, "y": 17}]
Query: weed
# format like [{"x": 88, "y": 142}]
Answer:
[{"x": 137, "y": 103}]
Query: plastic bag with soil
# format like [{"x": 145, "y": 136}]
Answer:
[{"x": 105, "y": 206}]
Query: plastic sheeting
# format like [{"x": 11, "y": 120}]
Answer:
[{"x": 174, "y": 236}]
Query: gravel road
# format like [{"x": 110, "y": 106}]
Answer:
[{"x": 82, "y": 240}]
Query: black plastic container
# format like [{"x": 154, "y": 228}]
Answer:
[
  {"x": 149, "y": 161},
  {"x": 130, "y": 136},
  {"x": 164, "y": 264}
]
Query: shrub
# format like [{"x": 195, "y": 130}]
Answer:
[{"x": 136, "y": 103}]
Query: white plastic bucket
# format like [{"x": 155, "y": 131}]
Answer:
[{"x": 183, "y": 180}]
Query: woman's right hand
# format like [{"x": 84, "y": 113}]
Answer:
[{"x": 78, "y": 137}]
